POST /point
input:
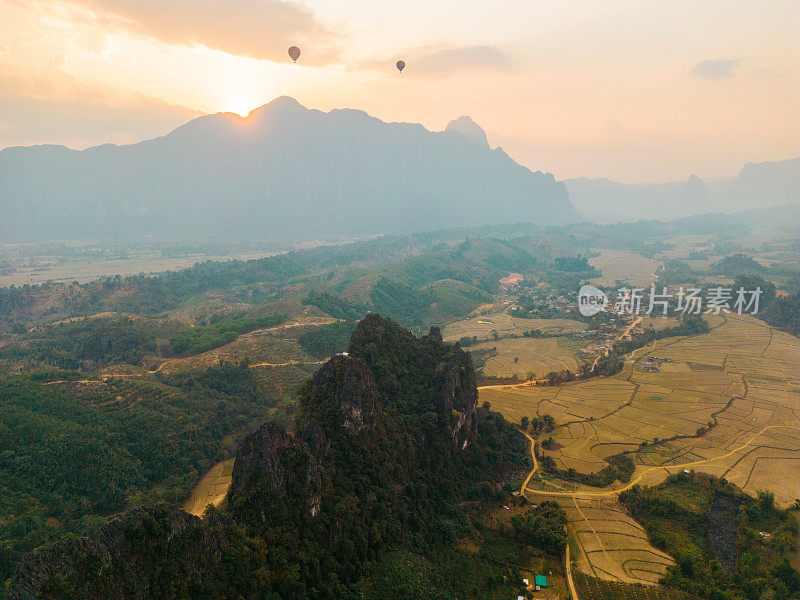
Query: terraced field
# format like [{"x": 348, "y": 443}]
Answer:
[
  {"x": 521, "y": 356},
  {"x": 623, "y": 265},
  {"x": 211, "y": 489},
  {"x": 742, "y": 378},
  {"x": 484, "y": 326},
  {"x": 610, "y": 545}
]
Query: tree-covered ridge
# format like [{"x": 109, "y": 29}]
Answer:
[
  {"x": 727, "y": 545},
  {"x": 199, "y": 339},
  {"x": 737, "y": 264},
  {"x": 92, "y": 343},
  {"x": 407, "y": 275},
  {"x": 74, "y": 453},
  {"x": 388, "y": 441},
  {"x": 784, "y": 313}
]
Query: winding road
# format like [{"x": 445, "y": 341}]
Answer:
[
  {"x": 643, "y": 474},
  {"x": 587, "y": 494}
]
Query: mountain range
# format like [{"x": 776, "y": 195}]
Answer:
[
  {"x": 283, "y": 170},
  {"x": 289, "y": 172},
  {"x": 758, "y": 185}
]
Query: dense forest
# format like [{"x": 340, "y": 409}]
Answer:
[
  {"x": 388, "y": 442},
  {"x": 727, "y": 545},
  {"x": 75, "y": 453},
  {"x": 784, "y": 313},
  {"x": 195, "y": 340},
  {"x": 91, "y": 343}
]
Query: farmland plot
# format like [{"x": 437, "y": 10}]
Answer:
[{"x": 726, "y": 403}]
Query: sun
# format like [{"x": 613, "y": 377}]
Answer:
[
  {"x": 240, "y": 101},
  {"x": 240, "y": 106}
]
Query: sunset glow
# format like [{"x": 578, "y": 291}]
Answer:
[{"x": 577, "y": 88}]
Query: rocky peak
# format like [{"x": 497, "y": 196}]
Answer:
[
  {"x": 468, "y": 128},
  {"x": 460, "y": 398},
  {"x": 343, "y": 394},
  {"x": 280, "y": 106},
  {"x": 271, "y": 466}
]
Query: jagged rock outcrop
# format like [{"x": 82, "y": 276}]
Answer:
[
  {"x": 117, "y": 561},
  {"x": 275, "y": 475},
  {"x": 460, "y": 398},
  {"x": 344, "y": 390},
  {"x": 381, "y": 455},
  {"x": 446, "y": 368}
]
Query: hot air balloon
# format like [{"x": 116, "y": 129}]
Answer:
[
  {"x": 294, "y": 53},
  {"x": 401, "y": 65}
]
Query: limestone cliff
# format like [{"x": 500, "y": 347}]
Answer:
[
  {"x": 275, "y": 476},
  {"x": 124, "y": 558}
]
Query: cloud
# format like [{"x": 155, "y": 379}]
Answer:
[
  {"x": 441, "y": 61},
  {"x": 719, "y": 68},
  {"x": 262, "y": 29},
  {"x": 65, "y": 112},
  {"x": 764, "y": 73}
]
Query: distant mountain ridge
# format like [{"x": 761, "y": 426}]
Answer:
[
  {"x": 284, "y": 170},
  {"x": 760, "y": 185}
]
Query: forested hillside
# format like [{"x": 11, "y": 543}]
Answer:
[
  {"x": 388, "y": 441},
  {"x": 418, "y": 280},
  {"x": 75, "y": 453}
]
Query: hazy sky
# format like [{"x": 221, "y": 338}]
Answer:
[{"x": 642, "y": 90}]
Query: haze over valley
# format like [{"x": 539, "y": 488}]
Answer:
[{"x": 306, "y": 300}]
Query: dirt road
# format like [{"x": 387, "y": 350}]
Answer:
[{"x": 616, "y": 491}]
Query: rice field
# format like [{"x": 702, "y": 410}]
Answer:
[
  {"x": 623, "y": 265},
  {"x": 523, "y": 356},
  {"x": 211, "y": 489},
  {"x": 743, "y": 378},
  {"x": 484, "y": 326}
]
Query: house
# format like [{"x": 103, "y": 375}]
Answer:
[{"x": 540, "y": 581}]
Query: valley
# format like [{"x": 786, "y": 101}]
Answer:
[
  {"x": 184, "y": 366},
  {"x": 306, "y": 300},
  {"x": 726, "y": 403}
]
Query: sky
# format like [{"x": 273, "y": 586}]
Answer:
[{"x": 635, "y": 91}]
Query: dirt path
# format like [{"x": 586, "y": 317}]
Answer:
[
  {"x": 568, "y": 571},
  {"x": 616, "y": 491},
  {"x": 622, "y": 336},
  {"x": 291, "y": 362},
  {"x": 535, "y": 464},
  {"x": 567, "y": 559}
]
